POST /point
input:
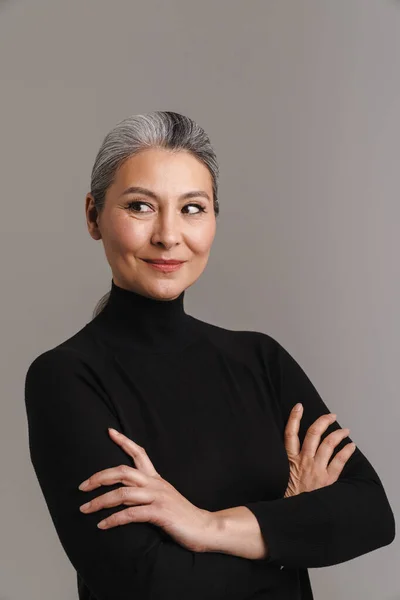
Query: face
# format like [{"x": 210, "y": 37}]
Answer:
[{"x": 137, "y": 226}]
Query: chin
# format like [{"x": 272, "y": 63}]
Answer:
[{"x": 164, "y": 290}]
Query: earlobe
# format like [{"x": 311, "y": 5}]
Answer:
[
  {"x": 93, "y": 227},
  {"x": 95, "y": 231}
]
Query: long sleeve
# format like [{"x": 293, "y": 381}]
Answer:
[
  {"x": 332, "y": 524},
  {"x": 69, "y": 411}
]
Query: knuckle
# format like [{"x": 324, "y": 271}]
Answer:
[
  {"x": 322, "y": 418},
  {"x": 124, "y": 470},
  {"x": 130, "y": 512},
  {"x": 331, "y": 441},
  {"x": 124, "y": 492},
  {"x": 321, "y": 424},
  {"x": 340, "y": 434},
  {"x": 314, "y": 429}
]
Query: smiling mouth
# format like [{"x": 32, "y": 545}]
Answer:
[
  {"x": 164, "y": 262},
  {"x": 165, "y": 267}
]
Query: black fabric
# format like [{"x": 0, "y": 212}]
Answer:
[{"x": 210, "y": 406}]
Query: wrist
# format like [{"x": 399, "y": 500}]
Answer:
[
  {"x": 235, "y": 531},
  {"x": 214, "y": 531},
  {"x": 209, "y": 532}
]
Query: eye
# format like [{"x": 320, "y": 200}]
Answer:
[
  {"x": 199, "y": 206},
  {"x": 131, "y": 206}
]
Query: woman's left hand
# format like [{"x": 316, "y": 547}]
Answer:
[{"x": 151, "y": 499}]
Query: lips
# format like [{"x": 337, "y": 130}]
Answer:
[
  {"x": 165, "y": 262},
  {"x": 165, "y": 267}
]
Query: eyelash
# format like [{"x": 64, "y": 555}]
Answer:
[{"x": 134, "y": 202}]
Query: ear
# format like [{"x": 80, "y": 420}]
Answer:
[{"x": 92, "y": 217}]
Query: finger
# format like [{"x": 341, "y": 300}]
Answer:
[
  {"x": 138, "y": 453},
  {"x": 327, "y": 447},
  {"x": 291, "y": 434},
  {"x": 133, "y": 514},
  {"x": 337, "y": 464},
  {"x": 312, "y": 438},
  {"x": 123, "y": 473},
  {"x": 123, "y": 495}
]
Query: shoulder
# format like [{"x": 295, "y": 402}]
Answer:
[
  {"x": 81, "y": 352},
  {"x": 255, "y": 345},
  {"x": 83, "y": 343},
  {"x": 67, "y": 377}
]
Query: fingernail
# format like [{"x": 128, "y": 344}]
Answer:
[
  {"x": 84, "y": 485},
  {"x": 297, "y": 407},
  {"x": 113, "y": 431}
]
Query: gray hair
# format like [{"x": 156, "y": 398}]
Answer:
[{"x": 158, "y": 129}]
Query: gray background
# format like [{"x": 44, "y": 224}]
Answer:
[{"x": 301, "y": 101}]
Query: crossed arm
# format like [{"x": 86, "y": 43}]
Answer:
[
  {"x": 319, "y": 528},
  {"x": 234, "y": 531}
]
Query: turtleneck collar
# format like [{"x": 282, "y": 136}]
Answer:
[{"x": 133, "y": 320}]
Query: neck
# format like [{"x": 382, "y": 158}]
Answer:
[{"x": 131, "y": 319}]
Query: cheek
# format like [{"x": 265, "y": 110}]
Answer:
[
  {"x": 127, "y": 234},
  {"x": 202, "y": 239}
]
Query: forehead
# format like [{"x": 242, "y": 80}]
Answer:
[{"x": 160, "y": 167}]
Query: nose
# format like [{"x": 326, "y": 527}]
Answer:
[{"x": 167, "y": 228}]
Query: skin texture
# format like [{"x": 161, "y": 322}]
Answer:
[
  {"x": 150, "y": 499},
  {"x": 309, "y": 468},
  {"x": 168, "y": 227}
]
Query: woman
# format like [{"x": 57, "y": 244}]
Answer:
[{"x": 215, "y": 488}]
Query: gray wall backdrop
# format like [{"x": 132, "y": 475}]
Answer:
[{"x": 301, "y": 101}]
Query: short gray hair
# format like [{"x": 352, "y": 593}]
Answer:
[{"x": 158, "y": 129}]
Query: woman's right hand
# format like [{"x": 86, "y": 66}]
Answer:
[{"x": 309, "y": 468}]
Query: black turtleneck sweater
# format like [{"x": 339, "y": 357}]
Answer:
[{"x": 209, "y": 405}]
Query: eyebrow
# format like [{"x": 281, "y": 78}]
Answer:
[{"x": 141, "y": 190}]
